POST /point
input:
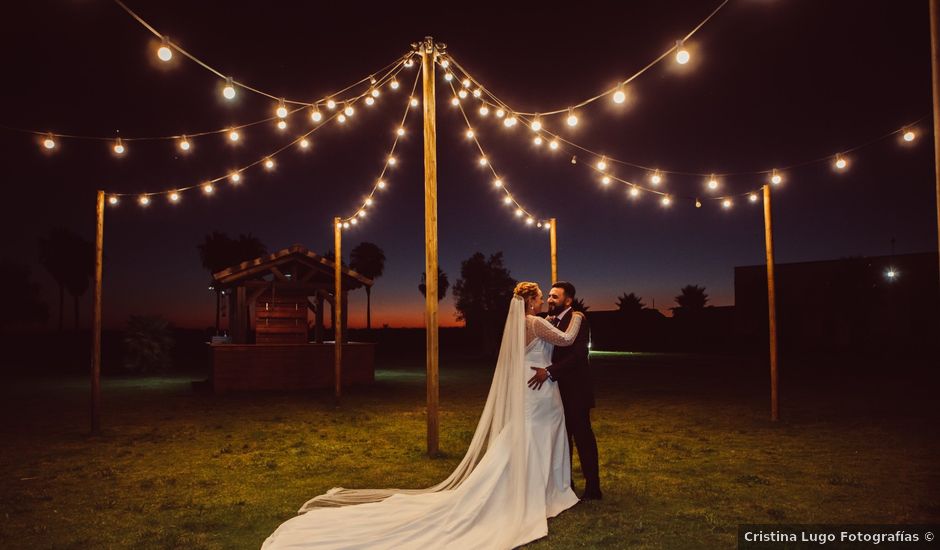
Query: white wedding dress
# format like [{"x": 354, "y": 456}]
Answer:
[{"x": 515, "y": 475}]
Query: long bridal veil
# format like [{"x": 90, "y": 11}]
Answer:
[{"x": 502, "y": 422}]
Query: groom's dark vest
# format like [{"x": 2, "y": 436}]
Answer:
[{"x": 570, "y": 367}]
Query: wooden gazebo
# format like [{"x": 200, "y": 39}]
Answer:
[{"x": 267, "y": 305}]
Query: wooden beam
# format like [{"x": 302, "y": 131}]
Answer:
[
  {"x": 96, "y": 319},
  {"x": 338, "y": 309},
  {"x": 935, "y": 81},
  {"x": 771, "y": 303},
  {"x": 277, "y": 273},
  {"x": 428, "y": 52},
  {"x": 553, "y": 238}
]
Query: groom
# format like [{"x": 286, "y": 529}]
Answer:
[{"x": 570, "y": 369}]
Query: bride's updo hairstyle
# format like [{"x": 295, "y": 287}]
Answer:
[{"x": 526, "y": 290}]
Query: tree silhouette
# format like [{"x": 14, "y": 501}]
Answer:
[
  {"x": 148, "y": 342},
  {"x": 369, "y": 260},
  {"x": 24, "y": 305},
  {"x": 70, "y": 260},
  {"x": 578, "y": 305},
  {"x": 482, "y": 295},
  {"x": 630, "y": 303},
  {"x": 443, "y": 283},
  {"x": 692, "y": 299},
  {"x": 219, "y": 251}
]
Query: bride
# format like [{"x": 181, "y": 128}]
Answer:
[{"x": 515, "y": 475}]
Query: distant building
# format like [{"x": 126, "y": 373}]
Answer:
[{"x": 885, "y": 303}]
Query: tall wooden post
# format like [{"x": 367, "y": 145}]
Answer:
[
  {"x": 553, "y": 237},
  {"x": 771, "y": 303},
  {"x": 96, "y": 319},
  {"x": 429, "y": 51},
  {"x": 338, "y": 309},
  {"x": 935, "y": 70}
]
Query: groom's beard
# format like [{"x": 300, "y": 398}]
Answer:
[{"x": 555, "y": 309}]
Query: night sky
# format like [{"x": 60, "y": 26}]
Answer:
[{"x": 771, "y": 83}]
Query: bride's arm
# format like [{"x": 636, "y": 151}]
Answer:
[{"x": 544, "y": 330}]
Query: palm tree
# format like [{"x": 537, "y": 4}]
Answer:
[
  {"x": 578, "y": 305},
  {"x": 369, "y": 260},
  {"x": 25, "y": 305},
  {"x": 443, "y": 283},
  {"x": 630, "y": 303},
  {"x": 219, "y": 251},
  {"x": 692, "y": 299},
  {"x": 70, "y": 260}
]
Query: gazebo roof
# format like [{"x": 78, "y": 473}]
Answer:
[{"x": 308, "y": 267}]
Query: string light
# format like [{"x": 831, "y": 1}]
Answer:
[
  {"x": 553, "y": 145},
  {"x": 498, "y": 182},
  {"x": 281, "y": 110},
  {"x": 448, "y": 76},
  {"x": 316, "y": 115},
  {"x": 282, "y": 125},
  {"x": 483, "y": 161},
  {"x": 269, "y": 164},
  {"x": 682, "y": 54},
  {"x": 304, "y": 143},
  {"x": 572, "y": 119},
  {"x": 400, "y": 131},
  {"x": 484, "y": 110},
  {"x": 112, "y": 200},
  {"x": 465, "y": 83},
  {"x": 536, "y": 124},
  {"x": 656, "y": 178},
  {"x": 392, "y": 161},
  {"x": 775, "y": 178},
  {"x": 144, "y": 200},
  {"x": 375, "y": 91},
  {"x": 455, "y": 101},
  {"x": 841, "y": 163},
  {"x": 666, "y": 201},
  {"x": 712, "y": 183},
  {"x": 477, "y": 93},
  {"x": 752, "y": 197},
  {"x": 414, "y": 102},
  {"x": 119, "y": 147},
  {"x": 909, "y": 135},
  {"x": 602, "y": 164},
  {"x": 184, "y": 144},
  {"x": 537, "y": 140},
  {"x": 409, "y": 63},
  {"x": 698, "y": 203},
  {"x": 605, "y": 180},
  {"x": 393, "y": 84},
  {"x": 228, "y": 91},
  {"x": 235, "y": 177},
  {"x": 469, "y": 133},
  {"x": 510, "y": 122},
  {"x": 207, "y": 188},
  {"x": 634, "y": 192},
  {"x": 381, "y": 184},
  {"x": 619, "y": 96},
  {"x": 462, "y": 94},
  {"x": 370, "y": 100},
  {"x": 49, "y": 142},
  {"x": 727, "y": 203},
  {"x": 500, "y": 113},
  {"x": 348, "y": 111},
  {"x": 445, "y": 63},
  {"x": 233, "y": 135},
  {"x": 164, "y": 53},
  {"x": 174, "y": 197}
]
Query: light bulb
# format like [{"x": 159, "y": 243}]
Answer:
[
  {"x": 370, "y": 100},
  {"x": 207, "y": 188},
  {"x": 375, "y": 92},
  {"x": 466, "y": 83},
  {"x": 909, "y": 135},
  {"x": 752, "y": 197},
  {"x": 469, "y": 134},
  {"x": 282, "y": 125},
  {"x": 462, "y": 94},
  {"x": 500, "y": 113},
  {"x": 727, "y": 203},
  {"x": 620, "y": 95},
  {"x": 445, "y": 63},
  {"x": 316, "y": 115},
  {"x": 393, "y": 84},
  {"x": 634, "y": 192},
  {"x": 112, "y": 200},
  {"x": 656, "y": 178},
  {"x": 330, "y": 104},
  {"x": 546, "y": 226},
  {"x": 536, "y": 124},
  {"x": 519, "y": 212},
  {"x": 233, "y": 135},
  {"x": 341, "y": 118},
  {"x": 281, "y": 110},
  {"x": 174, "y": 196},
  {"x": 602, "y": 164},
  {"x": 400, "y": 131},
  {"x": 666, "y": 201},
  {"x": 164, "y": 53},
  {"x": 345, "y": 225},
  {"x": 483, "y": 161},
  {"x": 841, "y": 163},
  {"x": 497, "y": 182},
  {"x": 235, "y": 177},
  {"x": 119, "y": 147},
  {"x": 605, "y": 180},
  {"x": 537, "y": 140},
  {"x": 380, "y": 184},
  {"x": 362, "y": 213},
  {"x": 448, "y": 77},
  {"x": 484, "y": 110},
  {"x": 414, "y": 102},
  {"x": 572, "y": 118},
  {"x": 455, "y": 101},
  {"x": 553, "y": 145},
  {"x": 228, "y": 92},
  {"x": 349, "y": 110},
  {"x": 368, "y": 201},
  {"x": 510, "y": 121},
  {"x": 184, "y": 144},
  {"x": 304, "y": 143},
  {"x": 392, "y": 161},
  {"x": 682, "y": 54},
  {"x": 409, "y": 63},
  {"x": 269, "y": 164},
  {"x": 354, "y": 221},
  {"x": 712, "y": 183},
  {"x": 49, "y": 142},
  {"x": 144, "y": 200},
  {"x": 698, "y": 203},
  {"x": 507, "y": 199},
  {"x": 529, "y": 221},
  {"x": 477, "y": 93}
]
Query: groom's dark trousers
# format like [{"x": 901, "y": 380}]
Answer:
[{"x": 570, "y": 368}]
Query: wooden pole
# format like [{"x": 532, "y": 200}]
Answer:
[
  {"x": 96, "y": 319},
  {"x": 428, "y": 53},
  {"x": 553, "y": 237},
  {"x": 771, "y": 303},
  {"x": 338, "y": 309},
  {"x": 935, "y": 70}
]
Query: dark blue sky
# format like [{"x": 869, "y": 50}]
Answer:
[{"x": 771, "y": 83}]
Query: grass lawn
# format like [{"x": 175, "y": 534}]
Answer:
[{"x": 686, "y": 447}]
